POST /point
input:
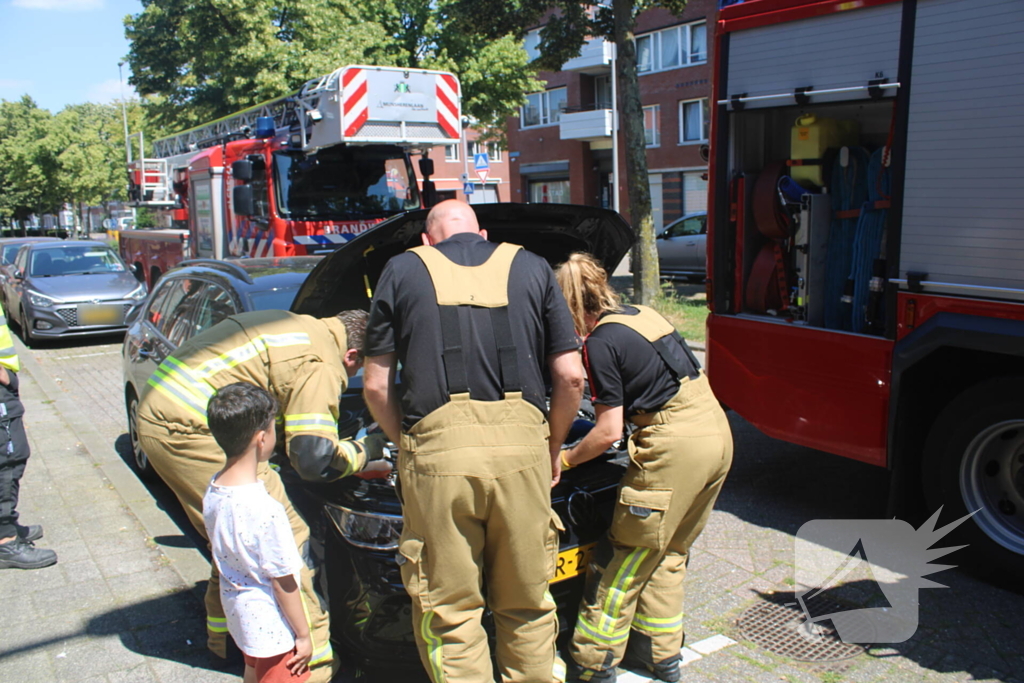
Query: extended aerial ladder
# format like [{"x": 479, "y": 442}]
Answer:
[{"x": 332, "y": 109}]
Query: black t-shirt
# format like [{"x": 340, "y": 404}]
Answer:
[
  {"x": 626, "y": 370},
  {"x": 404, "y": 317}
]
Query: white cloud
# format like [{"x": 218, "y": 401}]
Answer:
[
  {"x": 108, "y": 91},
  {"x": 60, "y": 5}
]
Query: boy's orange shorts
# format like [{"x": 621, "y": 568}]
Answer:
[{"x": 274, "y": 669}]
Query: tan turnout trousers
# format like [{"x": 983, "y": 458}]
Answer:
[
  {"x": 679, "y": 458},
  {"x": 297, "y": 359},
  {"x": 474, "y": 480}
]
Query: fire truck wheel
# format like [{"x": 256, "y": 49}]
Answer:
[
  {"x": 974, "y": 460},
  {"x": 140, "y": 463}
]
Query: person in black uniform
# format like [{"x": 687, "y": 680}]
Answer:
[
  {"x": 16, "y": 541},
  {"x": 475, "y": 325},
  {"x": 641, "y": 370}
]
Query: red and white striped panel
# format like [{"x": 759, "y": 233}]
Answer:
[
  {"x": 448, "y": 99},
  {"x": 355, "y": 104}
]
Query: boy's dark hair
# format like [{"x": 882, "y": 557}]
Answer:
[{"x": 236, "y": 413}]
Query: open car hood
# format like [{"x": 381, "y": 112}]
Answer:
[{"x": 346, "y": 278}]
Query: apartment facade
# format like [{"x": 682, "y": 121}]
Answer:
[
  {"x": 560, "y": 144},
  {"x": 455, "y": 167}
]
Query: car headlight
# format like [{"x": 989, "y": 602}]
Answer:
[
  {"x": 366, "y": 529},
  {"x": 37, "y": 299},
  {"x": 138, "y": 294}
]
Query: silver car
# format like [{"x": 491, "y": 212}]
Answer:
[
  {"x": 682, "y": 248},
  {"x": 70, "y": 289}
]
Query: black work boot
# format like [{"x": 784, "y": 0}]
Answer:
[
  {"x": 639, "y": 655},
  {"x": 21, "y": 554},
  {"x": 578, "y": 673},
  {"x": 30, "y": 533},
  {"x": 667, "y": 670}
]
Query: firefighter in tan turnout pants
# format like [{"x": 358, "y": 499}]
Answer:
[
  {"x": 641, "y": 369},
  {"x": 471, "y": 322},
  {"x": 305, "y": 363}
]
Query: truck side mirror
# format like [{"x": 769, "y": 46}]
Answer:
[
  {"x": 242, "y": 170},
  {"x": 242, "y": 200},
  {"x": 426, "y": 167}
]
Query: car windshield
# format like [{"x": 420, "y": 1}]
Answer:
[
  {"x": 345, "y": 183},
  {"x": 280, "y": 298},
  {"x": 77, "y": 259}
]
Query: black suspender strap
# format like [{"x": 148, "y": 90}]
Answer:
[
  {"x": 507, "y": 356},
  {"x": 454, "y": 360},
  {"x": 677, "y": 365}
]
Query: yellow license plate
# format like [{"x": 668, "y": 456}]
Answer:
[
  {"x": 100, "y": 314},
  {"x": 573, "y": 562}
]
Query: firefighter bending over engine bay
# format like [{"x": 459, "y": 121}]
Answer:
[
  {"x": 472, "y": 323},
  {"x": 305, "y": 363}
]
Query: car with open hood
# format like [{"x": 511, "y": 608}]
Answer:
[{"x": 358, "y": 521}]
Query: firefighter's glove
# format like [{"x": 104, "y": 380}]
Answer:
[{"x": 375, "y": 446}]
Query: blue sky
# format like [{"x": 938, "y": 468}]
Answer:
[{"x": 63, "y": 51}]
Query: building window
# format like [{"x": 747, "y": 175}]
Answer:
[
  {"x": 693, "y": 121},
  {"x": 549, "y": 192},
  {"x": 543, "y": 108},
  {"x": 602, "y": 92},
  {"x": 672, "y": 48},
  {"x": 652, "y": 125},
  {"x": 531, "y": 43},
  {"x": 451, "y": 152},
  {"x": 492, "y": 149}
]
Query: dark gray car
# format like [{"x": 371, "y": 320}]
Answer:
[
  {"x": 70, "y": 289},
  {"x": 682, "y": 247}
]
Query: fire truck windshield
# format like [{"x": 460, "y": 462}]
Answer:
[{"x": 344, "y": 183}]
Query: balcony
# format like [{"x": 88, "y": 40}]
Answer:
[
  {"x": 586, "y": 125},
  {"x": 595, "y": 58}
]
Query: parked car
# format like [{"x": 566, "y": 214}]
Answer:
[
  {"x": 682, "y": 248},
  {"x": 193, "y": 297},
  {"x": 9, "y": 247},
  {"x": 70, "y": 289},
  {"x": 370, "y": 610}
]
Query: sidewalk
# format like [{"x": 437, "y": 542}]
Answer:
[{"x": 118, "y": 606}]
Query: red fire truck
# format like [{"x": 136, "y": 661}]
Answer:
[
  {"x": 297, "y": 175},
  {"x": 866, "y": 245}
]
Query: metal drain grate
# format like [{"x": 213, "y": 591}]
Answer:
[{"x": 780, "y": 626}]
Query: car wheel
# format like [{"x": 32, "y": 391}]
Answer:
[
  {"x": 140, "y": 462},
  {"x": 974, "y": 462},
  {"x": 26, "y": 329}
]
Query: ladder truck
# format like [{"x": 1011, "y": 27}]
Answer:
[
  {"x": 866, "y": 246},
  {"x": 294, "y": 176}
]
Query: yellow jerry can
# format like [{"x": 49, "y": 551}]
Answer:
[{"x": 809, "y": 139}]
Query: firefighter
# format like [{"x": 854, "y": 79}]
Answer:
[
  {"x": 16, "y": 541},
  {"x": 305, "y": 363},
  {"x": 641, "y": 370},
  {"x": 473, "y": 324}
]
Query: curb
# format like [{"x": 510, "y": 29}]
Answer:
[{"x": 188, "y": 562}]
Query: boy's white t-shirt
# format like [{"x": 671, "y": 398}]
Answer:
[{"x": 252, "y": 542}]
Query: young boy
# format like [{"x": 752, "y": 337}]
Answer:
[{"x": 252, "y": 542}]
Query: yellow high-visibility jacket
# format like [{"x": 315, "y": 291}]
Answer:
[
  {"x": 8, "y": 356},
  {"x": 297, "y": 358}
]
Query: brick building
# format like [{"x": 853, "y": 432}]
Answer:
[
  {"x": 452, "y": 161},
  {"x": 560, "y": 145}
]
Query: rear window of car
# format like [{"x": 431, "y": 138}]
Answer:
[{"x": 274, "y": 299}]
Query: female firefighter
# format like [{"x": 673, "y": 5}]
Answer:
[{"x": 641, "y": 370}]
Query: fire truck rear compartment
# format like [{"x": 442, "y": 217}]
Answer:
[{"x": 778, "y": 142}]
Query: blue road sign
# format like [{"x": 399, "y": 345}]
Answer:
[
  {"x": 467, "y": 188},
  {"x": 480, "y": 161}
]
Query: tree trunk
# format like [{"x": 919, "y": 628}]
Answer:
[{"x": 646, "y": 278}]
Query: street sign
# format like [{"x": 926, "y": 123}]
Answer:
[
  {"x": 467, "y": 188},
  {"x": 482, "y": 166}
]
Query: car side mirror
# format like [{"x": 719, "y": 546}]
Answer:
[
  {"x": 18, "y": 275},
  {"x": 136, "y": 269},
  {"x": 242, "y": 200}
]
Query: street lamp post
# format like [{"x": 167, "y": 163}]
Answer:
[
  {"x": 615, "y": 129},
  {"x": 124, "y": 118}
]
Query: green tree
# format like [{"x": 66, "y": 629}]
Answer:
[
  {"x": 196, "y": 60},
  {"x": 567, "y": 26},
  {"x": 29, "y": 168}
]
